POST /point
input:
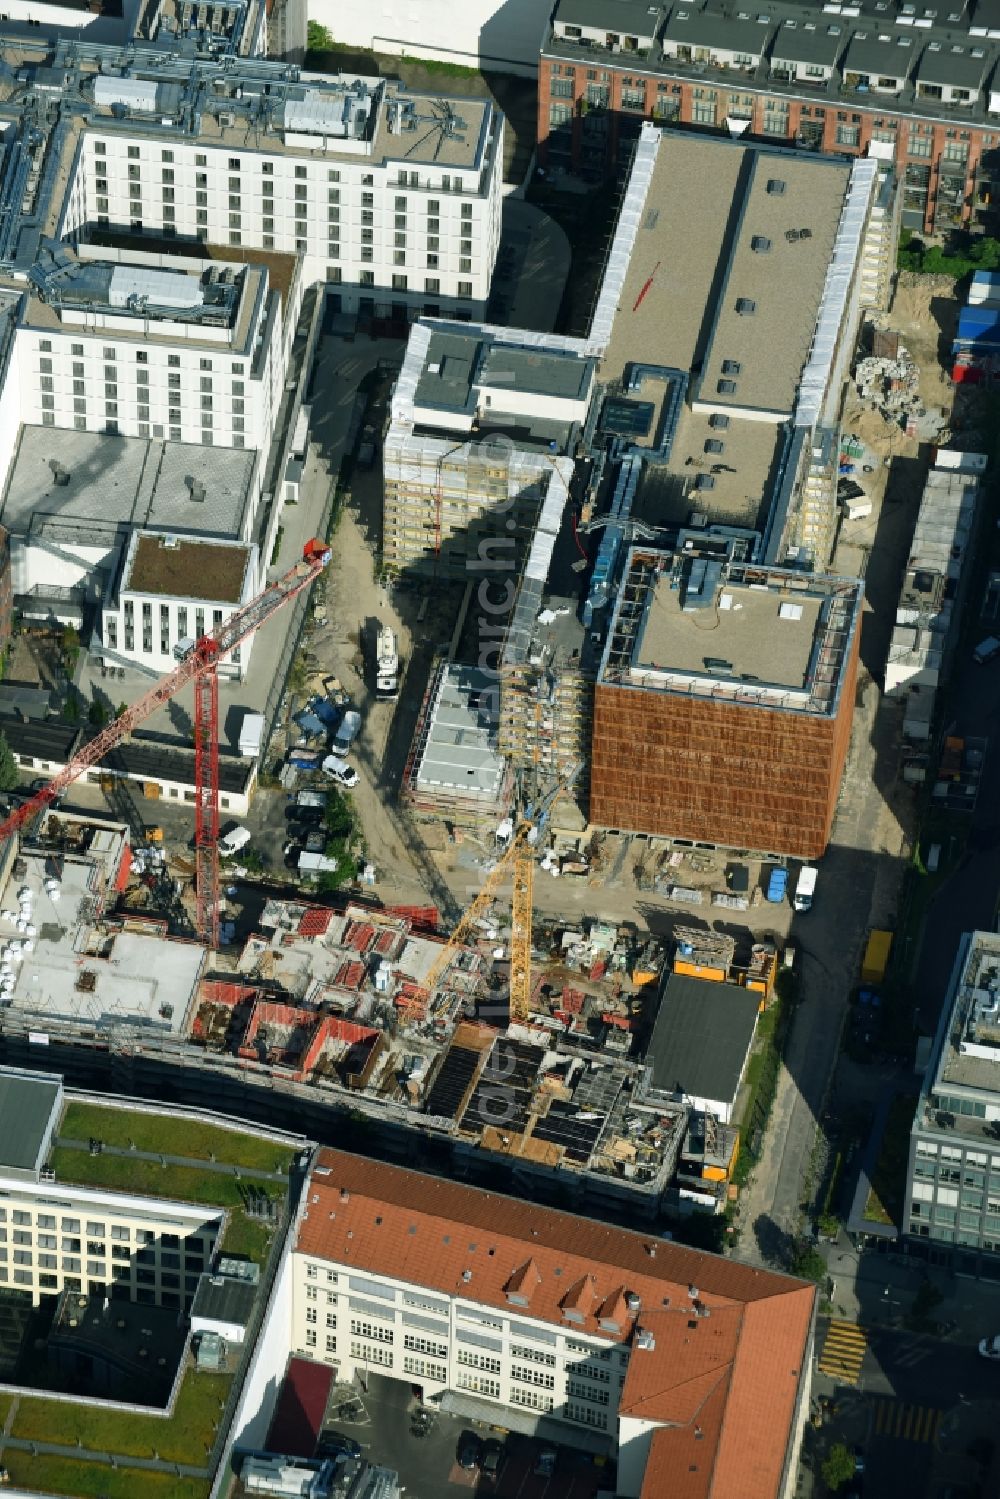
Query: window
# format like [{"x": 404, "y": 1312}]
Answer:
[
  {"x": 424, "y": 1345},
  {"x": 531, "y": 1399},
  {"x": 372, "y": 1330},
  {"x": 848, "y": 135},
  {"x": 479, "y": 1384},
  {"x": 370, "y": 1354},
  {"x": 422, "y": 1368},
  {"x": 521, "y": 1374},
  {"x": 465, "y": 288},
  {"x": 478, "y": 1361},
  {"x": 535, "y": 1355}
]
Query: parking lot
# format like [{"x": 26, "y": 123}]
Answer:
[{"x": 428, "y": 1465}]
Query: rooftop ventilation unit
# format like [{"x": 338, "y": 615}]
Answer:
[
  {"x": 59, "y": 473},
  {"x": 775, "y": 187},
  {"x": 196, "y": 490}
]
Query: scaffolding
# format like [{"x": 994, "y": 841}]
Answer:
[{"x": 448, "y": 503}]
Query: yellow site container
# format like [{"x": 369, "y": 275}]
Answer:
[
  {"x": 643, "y": 976},
  {"x": 715, "y": 1173},
  {"x": 151, "y": 790},
  {"x": 699, "y": 971},
  {"x": 876, "y": 959}
]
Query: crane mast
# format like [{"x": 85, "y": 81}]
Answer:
[{"x": 200, "y": 666}]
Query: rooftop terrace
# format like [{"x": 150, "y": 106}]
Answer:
[{"x": 141, "y": 300}]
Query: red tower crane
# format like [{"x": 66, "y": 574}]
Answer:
[{"x": 200, "y": 666}]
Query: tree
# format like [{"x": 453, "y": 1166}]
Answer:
[
  {"x": 318, "y": 38},
  {"x": 828, "y": 1225},
  {"x": 807, "y": 1261},
  {"x": 96, "y": 714},
  {"x": 8, "y": 765},
  {"x": 838, "y": 1466}
]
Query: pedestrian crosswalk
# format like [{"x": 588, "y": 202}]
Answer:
[
  {"x": 843, "y": 1351},
  {"x": 908, "y": 1423}
]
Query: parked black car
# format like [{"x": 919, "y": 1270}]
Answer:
[{"x": 469, "y": 1451}]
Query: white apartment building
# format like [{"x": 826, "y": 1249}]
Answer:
[
  {"x": 542, "y": 1322},
  {"x": 172, "y": 589},
  {"x": 56, "y": 1237},
  {"x": 133, "y": 350},
  {"x": 392, "y": 196}
]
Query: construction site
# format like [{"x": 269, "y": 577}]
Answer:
[{"x": 537, "y": 1070}]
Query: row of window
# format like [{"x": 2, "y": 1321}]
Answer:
[
  {"x": 405, "y": 178},
  {"x": 110, "y": 355}
]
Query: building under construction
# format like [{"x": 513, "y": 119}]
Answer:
[
  {"x": 724, "y": 702},
  {"x": 480, "y": 418}
]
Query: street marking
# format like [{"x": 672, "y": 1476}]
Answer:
[
  {"x": 906, "y": 1423},
  {"x": 913, "y": 1354},
  {"x": 843, "y": 1351}
]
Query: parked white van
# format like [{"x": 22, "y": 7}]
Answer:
[
  {"x": 338, "y": 770},
  {"x": 230, "y": 843}
]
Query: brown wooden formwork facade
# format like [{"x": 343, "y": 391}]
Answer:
[{"x": 719, "y": 771}]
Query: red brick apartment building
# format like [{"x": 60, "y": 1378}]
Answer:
[{"x": 917, "y": 83}]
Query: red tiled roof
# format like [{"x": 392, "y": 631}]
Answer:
[
  {"x": 314, "y": 922},
  {"x": 359, "y": 935},
  {"x": 298, "y": 1416},
  {"x": 726, "y": 1359},
  {"x": 349, "y": 975}
]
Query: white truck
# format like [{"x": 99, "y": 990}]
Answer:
[
  {"x": 230, "y": 843},
  {"x": 312, "y": 863},
  {"x": 805, "y": 887},
  {"x": 251, "y": 735},
  {"x": 386, "y": 665}
]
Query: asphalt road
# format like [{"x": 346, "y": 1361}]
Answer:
[
  {"x": 968, "y": 898},
  {"x": 920, "y": 1403}
]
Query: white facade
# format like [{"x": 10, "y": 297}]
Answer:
[
  {"x": 145, "y": 627},
  {"x": 400, "y": 230},
  {"x": 104, "y": 369},
  {"x": 58, "y": 1237},
  {"x": 359, "y": 1322},
  {"x": 496, "y": 35}
]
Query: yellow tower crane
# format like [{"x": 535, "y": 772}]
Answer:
[{"x": 518, "y": 857}]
